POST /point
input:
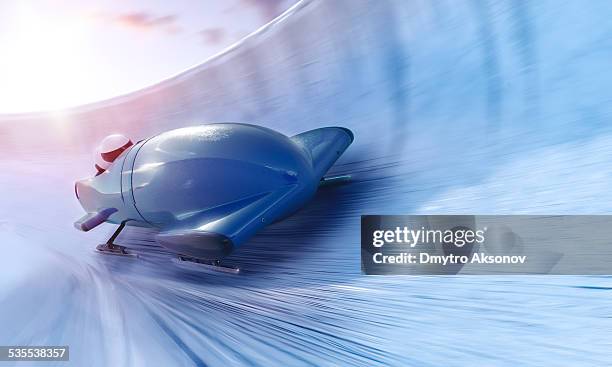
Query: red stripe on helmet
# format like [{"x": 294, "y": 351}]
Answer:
[{"x": 112, "y": 155}]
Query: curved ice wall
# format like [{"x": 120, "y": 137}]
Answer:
[{"x": 404, "y": 75}]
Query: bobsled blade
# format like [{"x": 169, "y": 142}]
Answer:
[
  {"x": 204, "y": 265},
  {"x": 335, "y": 180},
  {"x": 114, "y": 250}
]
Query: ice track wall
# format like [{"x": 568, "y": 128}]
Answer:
[{"x": 443, "y": 69}]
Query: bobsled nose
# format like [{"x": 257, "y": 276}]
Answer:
[
  {"x": 81, "y": 191},
  {"x": 87, "y": 196}
]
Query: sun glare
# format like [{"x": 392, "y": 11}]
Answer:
[{"x": 44, "y": 63}]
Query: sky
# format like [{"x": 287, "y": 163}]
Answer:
[{"x": 61, "y": 53}]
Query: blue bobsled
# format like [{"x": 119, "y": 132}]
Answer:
[{"x": 209, "y": 188}]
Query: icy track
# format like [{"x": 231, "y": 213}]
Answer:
[{"x": 479, "y": 107}]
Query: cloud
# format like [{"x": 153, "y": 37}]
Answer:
[
  {"x": 213, "y": 36},
  {"x": 143, "y": 21},
  {"x": 268, "y": 9}
]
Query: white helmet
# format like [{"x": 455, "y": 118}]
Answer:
[{"x": 111, "y": 147}]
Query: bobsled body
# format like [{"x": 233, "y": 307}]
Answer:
[{"x": 209, "y": 188}]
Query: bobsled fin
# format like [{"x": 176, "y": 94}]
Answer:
[
  {"x": 325, "y": 146},
  {"x": 216, "y": 239},
  {"x": 91, "y": 220}
]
